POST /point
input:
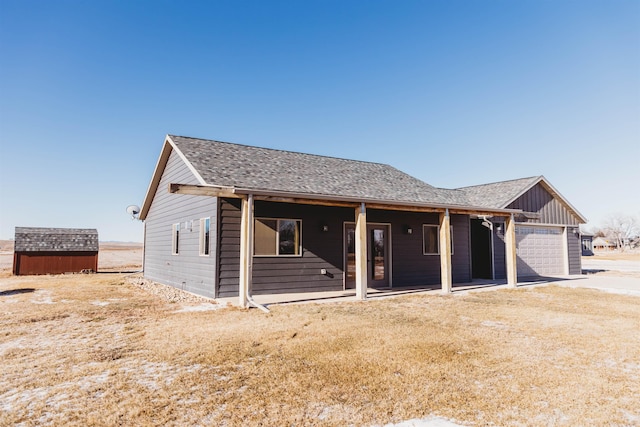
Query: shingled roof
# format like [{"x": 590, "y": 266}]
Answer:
[
  {"x": 37, "y": 239},
  {"x": 262, "y": 169}
]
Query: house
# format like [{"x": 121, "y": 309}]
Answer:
[
  {"x": 230, "y": 220},
  {"x": 602, "y": 244},
  {"x": 54, "y": 250}
]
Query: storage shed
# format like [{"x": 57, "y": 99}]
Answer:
[{"x": 54, "y": 250}]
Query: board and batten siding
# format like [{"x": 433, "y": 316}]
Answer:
[
  {"x": 551, "y": 210},
  {"x": 187, "y": 270}
]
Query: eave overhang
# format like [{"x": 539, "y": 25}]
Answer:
[{"x": 333, "y": 200}]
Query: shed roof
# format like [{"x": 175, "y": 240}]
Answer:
[{"x": 39, "y": 239}]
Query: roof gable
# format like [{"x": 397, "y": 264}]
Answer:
[
  {"x": 37, "y": 239},
  {"x": 167, "y": 148}
]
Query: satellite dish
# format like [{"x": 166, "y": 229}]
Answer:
[{"x": 133, "y": 210}]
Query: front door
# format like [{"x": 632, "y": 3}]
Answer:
[{"x": 377, "y": 255}]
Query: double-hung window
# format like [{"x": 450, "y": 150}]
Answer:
[
  {"x": 175, "y": 239},
  {"x": 205, "y": 236},
  {"x": 431, "y": 239},
  {"x": 277, "y": 237}
]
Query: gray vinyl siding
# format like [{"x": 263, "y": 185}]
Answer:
[
  {"x": 229, "y": 248},
  {"x": 461, "y": 258},
  {"x": 574, "y": 247},
  {"x": 188, "y": 270},
  {"x": 499, "y": 251},
  {"x": 551, "y": 210},
  {"x": 410, "y": 267},
  {"x": 320, "y": 250}
]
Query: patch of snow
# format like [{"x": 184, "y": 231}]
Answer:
[
  {"x": 205, "y": 306},
  {"x": 100, "y": 303},
  {"x": 17, "y": 343},
  {"x": 634, "y": 419},
  {"x": 492, "y": 324},
  {"x": 430, "y": 421},
  {"x": 42, "y": 297}
]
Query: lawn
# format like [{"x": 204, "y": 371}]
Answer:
[{"x": 97, "y": 350}]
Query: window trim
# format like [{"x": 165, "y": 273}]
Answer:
[
  {"x": 205, "y": 235},
  {"x": 175, "y": 238},
  {"x": 437, "y": 227},
  {"x": 277, "y": 242}
]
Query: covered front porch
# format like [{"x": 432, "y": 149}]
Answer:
[{"x": 359, "y": 284}]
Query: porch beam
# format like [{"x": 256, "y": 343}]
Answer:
[
  {"x": 445, "y": 252},
  {"x": 246, "y": 223},
  {"x": 361, "y": 252},
  {"x": 510, "y": 251},
  {"x": 301, "y": 201}
]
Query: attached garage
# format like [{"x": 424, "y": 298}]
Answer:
[{"x": 540, "y": 251}]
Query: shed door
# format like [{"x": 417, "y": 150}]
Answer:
[{"x": 540, "y": 251}]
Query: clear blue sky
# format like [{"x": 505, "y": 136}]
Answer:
[{"x": 453, "y": 92}]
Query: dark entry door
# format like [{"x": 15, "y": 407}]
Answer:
[
  {"x": 481, "y": 250},
  {"x": 377, "y": 255}
]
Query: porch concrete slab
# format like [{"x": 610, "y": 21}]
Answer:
[{"x": 626, "y": 285}]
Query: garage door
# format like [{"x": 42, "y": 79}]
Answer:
[{"x": 540, "y": 251}]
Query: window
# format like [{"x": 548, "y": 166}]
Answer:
[
  {"x": 277, "y": 237},
  {"x": 175, "y": 238},
  {"x": 205, "y": 233},
  {"x": 431, "y": 239}
]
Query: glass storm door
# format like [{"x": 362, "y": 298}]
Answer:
[{"x": 377, "y": 255}]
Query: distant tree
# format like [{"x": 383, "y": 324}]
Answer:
[{"x": 621, "y": 229}]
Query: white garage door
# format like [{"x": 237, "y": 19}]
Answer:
[{"x": 540, "y": 251}]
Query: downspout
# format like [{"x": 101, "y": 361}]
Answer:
[
  {"x": 250, "y": 299},
  {"x": 493, "y": 249}
]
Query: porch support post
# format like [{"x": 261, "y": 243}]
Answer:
[
  {"x": 510, "y": 251},
  {"x": 445, "y": 251},
  {"x": 246, "y": 226},
  {"x": 361, "y": 252}
]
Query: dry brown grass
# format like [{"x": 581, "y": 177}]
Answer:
[{"x": 93, "y": 350}]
